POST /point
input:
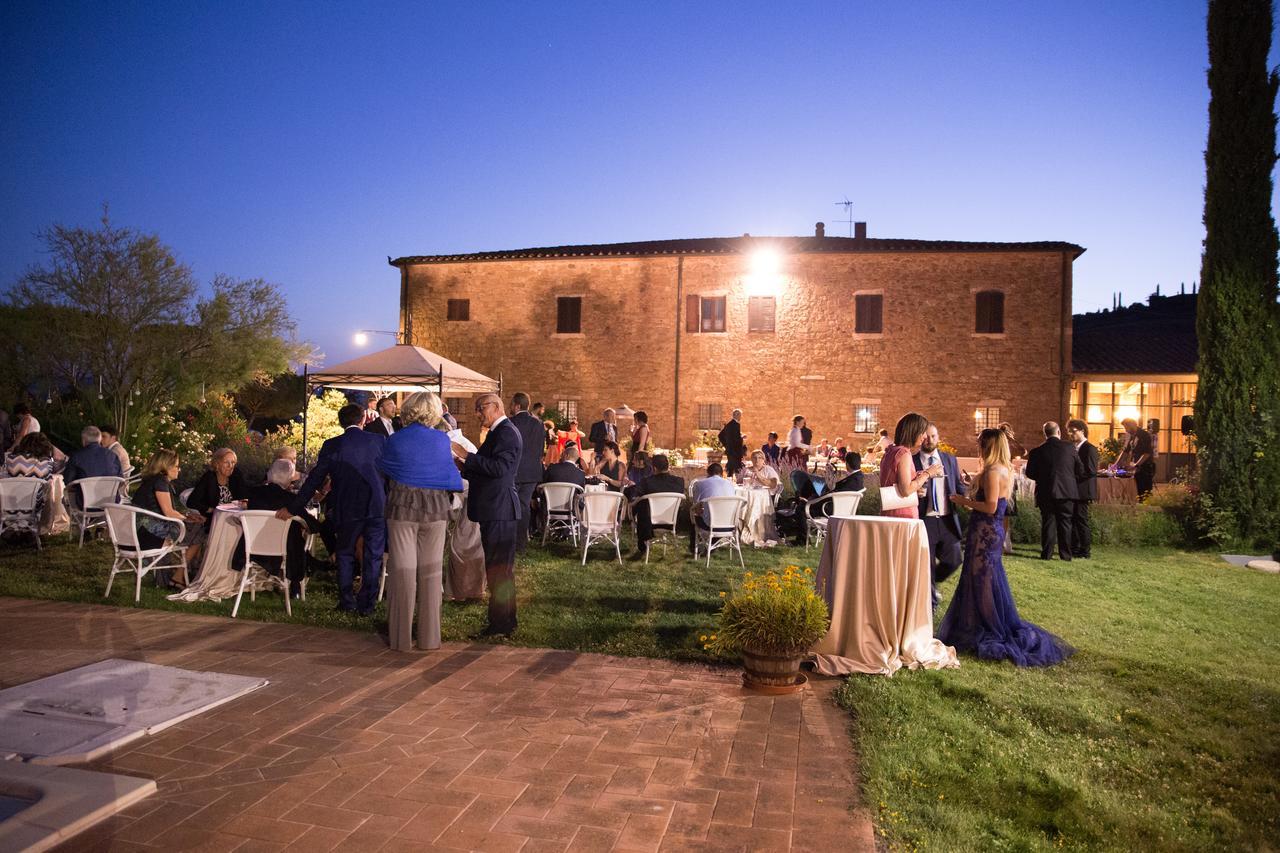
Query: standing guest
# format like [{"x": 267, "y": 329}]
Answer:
[
  {"x": 639, "y": 469},
  {"x": 552, "y": 441},
  {"x": 797, "y": 447},
  {"x": 494, "y": 504},
  {"x": 529, "y": 474},
  {"x": 355, "y": 506},
  {"x": 91, "y": 460},
  {"x": 1138, "y": 456},
  {"x": 605, "y": 429},
  {"x": 220, "y": 484},
  {"x": 449, "y": 420},
  {"x": 539, "y": 411},
  {"x": 610, "y": 470},
  {"x": 896, "y": 468},
  {"x": 731, "y": 439},
  {"x": 662, "y": 481},
  {"x": 1087, "y": 489},
  {"x": 386, "y": 423},
  {"x": 853, "y": 481},
  {"x": 273, "y": 495},
  {"x": 772, "y": 452},
  {"x": 1016, "y": 449},
  {"x": 641, "y": 440},
  {"x": 419, "y": 466},
  {"x": 371, "y": 410},
  {"x": 32, "y": 456},
  {"x": 714, "y": 485},
  {"x": 1056, "y": 468},
  {"x": 567, "y": 469},
  {"x": 155, "y": 494},
  {"x": 983, "y": 618},
  {"x": 940, "y": 523},
  {"x": 572, "y": 435},
  {"x": 111, "y": 441},
  {"x": 763, "y": 474},
  {"x": 24, "y": 423}
]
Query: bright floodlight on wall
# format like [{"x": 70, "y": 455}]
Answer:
[
  {"x": 765, "y": 261},
  {"x": 361, "y": 339},
  {"x": 764, "y": 278}
]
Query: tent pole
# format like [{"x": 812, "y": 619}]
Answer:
[{"x": 306, "y": 400}]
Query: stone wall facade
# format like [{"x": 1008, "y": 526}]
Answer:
[{"x": 634, "y": 347}]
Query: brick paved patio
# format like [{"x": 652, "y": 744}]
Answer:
[{"x": 473, "y": 747}]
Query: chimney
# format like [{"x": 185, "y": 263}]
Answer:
[
  {"x": 820, "y": 229},
  {"x": 859, "y": 230}
]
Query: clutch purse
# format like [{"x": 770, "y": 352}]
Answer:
[{"x": 890, "y": 499}]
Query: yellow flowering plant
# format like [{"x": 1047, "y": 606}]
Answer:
[{"x": 778, "y": 612}]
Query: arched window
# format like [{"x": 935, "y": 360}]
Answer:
[{"x": 989, "y": 312}]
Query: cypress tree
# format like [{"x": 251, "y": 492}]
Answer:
[{"x": 1238, "y": 321}]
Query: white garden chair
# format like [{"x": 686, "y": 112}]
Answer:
[
  {"x": 20, "y": 504},
  {"x": 95, "y": 493},
  {"x": 842, "y": 503},
  {"x": 664, "y": 513},
  {"x": 562, "y": 501},
  {"x": 723, "y": 516},
  {"x": 264, "y": 535},
  {"x": 602, "y": 521},
  {"x": 122, "y": 527}
]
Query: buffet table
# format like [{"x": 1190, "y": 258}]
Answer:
[
  {"x": 1117, "y": 490},
  {"x": 875, "y": 576}
]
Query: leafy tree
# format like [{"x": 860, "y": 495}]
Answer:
[
  {"x": 273, "y": 398},
  {"x": 1238, "y": 322},
  {"x": 128, "y": 315}
]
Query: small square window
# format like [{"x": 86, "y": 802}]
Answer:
[
  {"x": 760, "y": 314},
  {"x": 713, "y": 313},
  {"x": 985, "y": 417},
  {"x": 868, "y": 314},
  {"x": 866, "y": 417},
  {"x": 459, "y": 309},
  {"x": 568, "y": 315},
  {"x": 568, "y": 409},
  {"x": 710, "y": 415}
]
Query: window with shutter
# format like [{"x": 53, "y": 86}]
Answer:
[
  {"x": 760, "y": 313},
  {"x": 459, "y": 309},
  {"x": 568, "y": 314},
  {"x": 713, "y": 310},
  {"x": 692, "y": 313},
  {"x": 868, "y": 313},
  {"x": 989, "y": 312}
]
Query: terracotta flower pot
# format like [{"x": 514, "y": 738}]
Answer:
[{"x": 771, "y": 672}]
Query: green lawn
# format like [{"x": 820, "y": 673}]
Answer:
[{"x": 1160, "y": 734}]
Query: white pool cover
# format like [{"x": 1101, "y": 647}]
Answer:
[{"x": 77, "y": 715}]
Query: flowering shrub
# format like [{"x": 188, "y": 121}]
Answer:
[
  {"x": 218, "y": 418},
  {"x": 773, "y": 613},
  {"x": 164, "y": 430},
  {"x": 322, "y": 423}
]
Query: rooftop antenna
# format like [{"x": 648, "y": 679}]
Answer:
[{"x": 848, "y": 212}]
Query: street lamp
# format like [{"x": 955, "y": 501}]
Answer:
[{"x": 362, "y": 336}]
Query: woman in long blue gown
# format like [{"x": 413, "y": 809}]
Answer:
[{"x": 982, "y": 618}]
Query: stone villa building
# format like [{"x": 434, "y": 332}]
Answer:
[{"x": 851, "y": 332}]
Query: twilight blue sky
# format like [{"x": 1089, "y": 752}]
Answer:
[{"x": 306, "y": 142}]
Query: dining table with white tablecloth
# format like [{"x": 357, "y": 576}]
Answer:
[
  {"x": 757, "y": 517},
  {"x": 875, "y": 576},
  {"x": 217, "y": 579}
]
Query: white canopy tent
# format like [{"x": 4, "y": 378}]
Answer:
[{"x": 402, "y": 367}]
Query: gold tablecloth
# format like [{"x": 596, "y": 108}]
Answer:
[
  {"x": 874, "y": 574},
  {"x": 757, "y": 517},
  {"x": 1117, "y": 490}
]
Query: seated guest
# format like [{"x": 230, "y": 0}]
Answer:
[
  {"x": 221, "y": 484},
  {"x": 419, "y": 464},
  {"x": 839, "y": 450},
  {"x": 155, "y": 494},
  {"x": 23, "y": 424},
  {"x": 660, "y": 481},
  {"x": 34, "y": 456},
  {"x": 567, "y": 469},
  {"x": 640, "y": 468},
  {"x": 823, "y": 451},
  {"x": 275, "y": 494},
  {"x": 807, "y": 486},
  {"x": 714, "y": 485},
  {"x": 610, "y": 469},
  {"x": 852, "y": 482},
  {"x": 111, "y": 441},
  {"x": 91, "y": 460},
  {"x": 772, "y": 450},
  {"x": 763, "y": 475}
]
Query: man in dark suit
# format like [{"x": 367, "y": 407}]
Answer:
[
  {"x": 731, "y": 438},
  {"x": 852, "y": 481},
  {"x": 567, "y": 470},
  {"x": 1056, "y": 468},
  {"x": 91, "y": 460},
  {"x": 386, "y": 424},
  {"x": 529, "y": 472},
  {"x": 940, "y": 520},
  {"x": 1087, "y": 487},
  {"x": 494, "y": 504},
  {"x": 604, "y": 430},
  {"x": 357, "y": 499},
  {"x": 662, "y": 480}
]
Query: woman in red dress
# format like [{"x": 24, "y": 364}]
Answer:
[{"x": 897, "y": 469}]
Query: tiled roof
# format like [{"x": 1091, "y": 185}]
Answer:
[
  {"x": 740, "y": 245},
  {"x": 1155, "y": 338}
]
